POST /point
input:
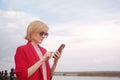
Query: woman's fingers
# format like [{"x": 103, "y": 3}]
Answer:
[{"x": 57, "y": 54}]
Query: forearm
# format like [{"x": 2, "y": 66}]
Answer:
[
  {"x": 53, "y": 68},
  {"x": 56, "y": 59},
  {"x": 32, "y": 69}
]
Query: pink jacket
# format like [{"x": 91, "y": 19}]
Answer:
[{"x": 25, "y": 57}]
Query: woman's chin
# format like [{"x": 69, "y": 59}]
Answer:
[{"x": 40, "y": 42}]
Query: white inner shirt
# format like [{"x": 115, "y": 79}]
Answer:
[{"x": 43, "y": 64}]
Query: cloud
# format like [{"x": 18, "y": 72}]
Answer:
[
  {"x": 65, "y": 10},
  {"x": 95, "y": 45},
  {"x": 13, "y": 26}
]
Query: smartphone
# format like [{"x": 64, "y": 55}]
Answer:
[{"x": 62, "y": 46}]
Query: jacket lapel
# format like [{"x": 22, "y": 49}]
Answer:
[
  {"x": 36, "y": 57},
  {"x": 33, "y": 51}
]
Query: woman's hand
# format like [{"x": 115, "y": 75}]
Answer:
[
  {"x": 47, "y": 55},
  {"x": 56, "y": 56}
]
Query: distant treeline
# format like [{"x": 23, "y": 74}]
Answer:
[{"x": 89, "y": 73}]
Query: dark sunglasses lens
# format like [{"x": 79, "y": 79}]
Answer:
[
  {"x": 43, "y": 33},
  {"x": 46, "y": 34}
]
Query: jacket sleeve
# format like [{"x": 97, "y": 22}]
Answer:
[{"x": 21, "y": 65}]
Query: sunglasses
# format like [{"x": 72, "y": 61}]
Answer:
[{"x": 44, "y": 34}]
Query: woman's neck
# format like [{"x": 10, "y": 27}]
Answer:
[{"x": 34, "y": 44}]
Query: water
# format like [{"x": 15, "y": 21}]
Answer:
[{"x": 84, "y": 78}]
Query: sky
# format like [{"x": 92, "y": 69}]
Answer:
[{"x": 89, "y": 28}]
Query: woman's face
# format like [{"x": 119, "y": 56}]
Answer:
[{"x": 38, "y": 37}]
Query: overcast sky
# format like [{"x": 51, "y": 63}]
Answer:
[{"x": 89, "y": 28}]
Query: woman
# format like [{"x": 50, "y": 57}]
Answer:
[{"x": 31, "y": 60}]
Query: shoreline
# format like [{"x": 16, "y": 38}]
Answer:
[{"x": 90, "y": 73}]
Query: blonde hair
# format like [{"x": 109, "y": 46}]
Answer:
[{"x": 35, "y": 26}]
